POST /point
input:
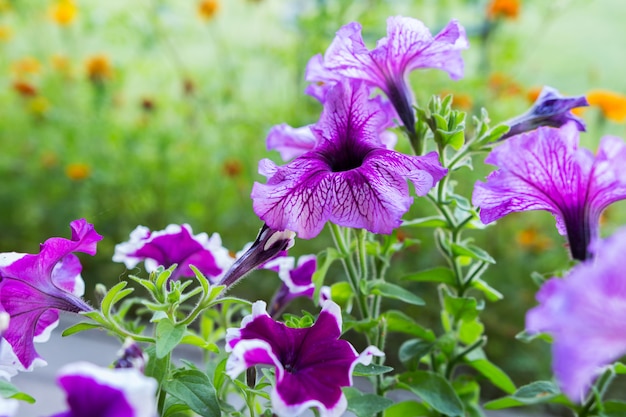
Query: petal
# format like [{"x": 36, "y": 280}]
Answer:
[
  {"x": 93, "y": 391},
  {"x": 290, "y": 142}
]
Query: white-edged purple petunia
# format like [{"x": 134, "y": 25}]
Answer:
[
  {"x": 33, "y": 288},
  {"x": 584, "y": 312},
  {"x": 93, "y": 391},
  {"x": 175, "y": 245},
  {"x": 408, "y": 45},
  {"x": 297, "y": 280},
  {"x": 550, "y": 109},
  {"x": 312, "y": 364},
  {"x": 350, "y": 178},
  {"x": 546, "y": 170}
]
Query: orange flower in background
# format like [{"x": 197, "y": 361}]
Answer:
[
  {"x": 49, "y": 159},
  {"x": 78, "y": 171},
  {"x": 208, "y": 8},
  {"x": 501, "y": 84},
  {"x": 5, "y": 33},
  {"x": 63, "y": 12},
  {"x": 533, "y": 94},
  {"x": 232, "y": 168},
  {"x": 25, "y": 89},
  {"x": 611, "y": 104},
  {"x": 26, "y": 66},
  {"x": 503, "y": 8},
  {"x": 532, "y": 240},
  {"x": 61, "y": 64},
  {"x": 98, "y": 68}
]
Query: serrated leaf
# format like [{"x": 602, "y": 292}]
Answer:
[
  {"x": 389, "y": 290},
  {"x": 80, "y": 327},
  {"x": 438, "y": 274},
  {"x": 397, "y": 321},
  {"x": 434, "y": 390},
  {"x": 538, "y": 392},
  {"x": 168, "y": 336},
  {"x": 195, "y": 389},
  {"x": 371, "y": 369},
  {"x": 8, "y": 390},
  {"x": 433, "y": 221}
]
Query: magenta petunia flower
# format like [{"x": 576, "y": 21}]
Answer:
[
  {"x": 297, "y": 280},
  {"x": 408, "y": 45},
  {"x": 349, "y": 178},
  {"x": 584, "y": 312},
  {"x": 545, "y": 170},
  {"x": 175, "y": 245},
  {"x": 550, "y": 109},
  {"x": 312, "y": 364},
  {"x": 93, "y": 391},
  {"x": 33, "y": 288}
]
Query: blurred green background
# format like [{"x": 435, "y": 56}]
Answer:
[{"x": 155, "y": 112}]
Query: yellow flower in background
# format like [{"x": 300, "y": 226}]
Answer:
[
  {"x": 99, "y": 68},
  {"x": 26, "y": 66},
  {"x": 63, "y": 12},
  {"x": 208, "y": 8},
  {"x": 78, "y": 171},
  {"x": 61, "y": 64},
  {"x": 39, "y": 106},
  {"x": 503, "y": 8},
  {"x": 611, "y": 104},
  {"x": 5, "y": 6},
  {"x": 5, "y": 33}
]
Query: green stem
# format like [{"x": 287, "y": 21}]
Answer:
[{"x": 600, "y": 388}]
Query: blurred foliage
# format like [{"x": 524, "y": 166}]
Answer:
[{"x": 155, "y": 111}]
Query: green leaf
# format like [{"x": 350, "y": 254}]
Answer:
[
  {"x": 491, "y": 293},
  {"x": 477, "y": 360},
  {"x": 324, "y": 260},
  {"x": 167, "y": 336},
  {"x": 614, "y": 409},
  {"x": 8, "y": 390},
  {"x": 407, "y": 409},
  {"x": 472, "y": 251},
  {"x": 155, "y": 367},
  {"x": 494, "y": 134},
  {"x": 619, "y": 368},
  {"x": 438, "y": 274},
  {"x": 470, "y": 331},
  {"x": 195, "y": 389},
  {"x": 80, "y": 327},
  {"x": 397, "y": 321},
  {"x": 434, "y": 221},
  {"x": 365, "y": 405},
  {"x": 371, "y": 369},
  {"x": 538, "y": 392},
  {"x": 389, "y": 290},
  {"x": 113, "y": 296},
  {"x": 434, "y": 390},
  {"x": 341, "y": 292},
  {"x": 414, "y": 349},
  {"x": 195, "y": 340},
  {"x": 461, "y": 308}
]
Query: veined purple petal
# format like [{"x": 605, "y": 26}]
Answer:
[
  {"x": 545, "y": 170},
  {"x": 349, "y": 178},
  {"x": 312, "y": 364},
  {"x": 175, "y": 245},
  {"x": 289, "y": 141},
  {"x": 584, "y": 314},
  {"x": 34, "y": 287},
  {"x": 93, "y": 391}
]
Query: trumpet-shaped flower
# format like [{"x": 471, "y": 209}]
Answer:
[
  {"x": 312, "y": 364},
  {"x": 549, "y": 109},
  {"x": 408, "y": 45},
  {"x": 584, "y": 312},
  {"x": 92, "y": 391},
  {"x": 175, "y": 245},
  {"x": 349, "y": 178},
  {"x": 545, "y": 170},
  {"x": 33, "y": 288}
]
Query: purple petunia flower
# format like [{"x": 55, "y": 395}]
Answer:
[
  {"x": 297, "y": 280},
  {"x": 312, "y": 364},
  {"x": 545, "y": 170},
  {"x": 408, "y": 45},
  {"x": 175, "y": 245},
  {"x": 584, "y": 312},
  {"x": 349, "y": 178},
  {"x": 550, "y": 109},
  {"x": 93, "y": 391},
  {"x": 33, "y": 288}
]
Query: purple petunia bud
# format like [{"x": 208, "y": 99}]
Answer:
[{"x": 269, "y": 243}]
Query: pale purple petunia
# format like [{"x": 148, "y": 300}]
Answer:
[
  {"x": 33, "y": 288},
  {"x": 175, "y": 245},
  {"x": 408, "y": 45},
  {"x": 312, "y": 364},
  {"x": 584, "y": 312},
  {"x": 349, "y": 178},
  {"x": 93, "y": 391},
  {"x": 546, "y": 170},
  {"x": 550, "y": 109}
]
